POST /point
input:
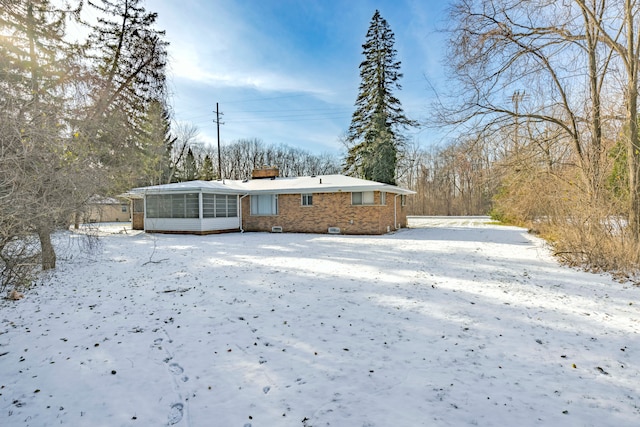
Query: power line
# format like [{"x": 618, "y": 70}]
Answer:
[
  {"x": 289, "y": 119},
  {"x": 245, "y": 116},
  {"x": 264, "y": 99},
  {"x": 239, "y": 101}
]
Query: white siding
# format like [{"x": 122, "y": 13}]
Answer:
[
  {"x": 191, "y": 225},
  {"x": 220, "y": 224},
  {"x": 172, "y": 224}
]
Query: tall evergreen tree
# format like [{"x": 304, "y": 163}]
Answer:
[
  {"x": 40, "y": 159},
  {"x": 206, "y": 170},
  {"x": 129, "y": 57},
  {"x": 34, "y": 59},
  {"x": 155, "y": 146},
  {"x": 374, "y": 136},
  {"x": 189, "y": 167}
]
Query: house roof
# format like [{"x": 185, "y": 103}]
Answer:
[
  {"x": 101, "y": 200},
  {"x": 317, "y": 184},
  {"x": 219, "y": 187},
  {"x": 303, "y": 184}
]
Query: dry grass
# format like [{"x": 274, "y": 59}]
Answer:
[
  {"x": 600, "y": 247},
  {"x": 584, "y": 233}
]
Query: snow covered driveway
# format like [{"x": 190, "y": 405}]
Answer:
[{"x": 453, "y": 323}]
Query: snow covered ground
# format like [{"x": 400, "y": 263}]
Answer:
[{"x": 455, "y": 322}]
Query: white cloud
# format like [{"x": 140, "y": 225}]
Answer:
[{"x": 224, "y": 49}]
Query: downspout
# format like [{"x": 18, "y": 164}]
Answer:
[
  {"x": 395, "y": 211},
  {"x": 240, "y": 204},
  {"x": 144, "y": 211}
]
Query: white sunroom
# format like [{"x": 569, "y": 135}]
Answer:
[{"x": 198, "y": 207}]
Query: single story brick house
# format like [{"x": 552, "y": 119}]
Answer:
[{"x": 312, "y": 204}]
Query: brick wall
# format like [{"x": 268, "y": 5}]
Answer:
[{"x": 328, "y": 210}]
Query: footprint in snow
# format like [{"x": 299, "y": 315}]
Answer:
[
  {"x": 175, "y": 369},
  {"x": 175, "y": 413}
]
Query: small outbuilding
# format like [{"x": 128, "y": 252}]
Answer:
[
  {"x": 105, "y": 209},
  {"x": 334, "y": 204}
]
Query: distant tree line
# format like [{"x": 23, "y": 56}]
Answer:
[
  {"x": 195, "y": 160},
  {"x": 457, "y": 178}
]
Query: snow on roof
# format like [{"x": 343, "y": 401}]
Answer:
[
  {"x": 211, "y": 186},
  {"x": 318, "y": 184},
  {"x": 101, "y": 200},
  {"x": 303, "y": 184}
]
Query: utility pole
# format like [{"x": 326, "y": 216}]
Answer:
[
  {"x": 517, "y": 98},
  {"x": 218, "y": 123}
]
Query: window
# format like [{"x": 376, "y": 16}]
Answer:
[
  {"x": 362, "y": 198},
  {"x": 153, "y": 204},
  {"x": 138, "y": 205},
  {"x": 232, "y": 206},
  {"x": 165, "y": 206},
  {"x": 307, "y": 199},
  {"x": 173, "y": 206},
  {"x": 177, "y": 206},
  {"x": 192, "y": 205},
  {"x": 403, "y": 200},
  {"x": 383, "y": 198},
  {"x": 219, "y": 206},
  {"x": 208, "y": 205},
  {"x": 123, "y": 208},
  {"x": 264, "y": 204}
]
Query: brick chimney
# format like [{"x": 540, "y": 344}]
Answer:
[{"x": 265, "y": 172}]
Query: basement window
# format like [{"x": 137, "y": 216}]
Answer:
[{"x": 362, "y": 198}]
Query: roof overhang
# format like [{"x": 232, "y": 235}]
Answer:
[
  {"x": 299, "y": 185},
  {"x": 331, "y": 189}
]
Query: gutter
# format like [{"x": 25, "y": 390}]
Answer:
[{"x": 240, "y": 205}]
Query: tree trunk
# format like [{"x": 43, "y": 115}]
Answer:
[
  {"x": 633, "y": 154},
  {"x": 633, "y": 145},
  {"x": 595, "y": 149},
  {"x": 46, "y": 247}
]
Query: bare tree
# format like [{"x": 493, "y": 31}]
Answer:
[
  {"x": 37, "y": 86},
  {"x": 503, "y": 49},
  {"x": 559, "y": 81},
  {"x": 62, "y": 144},
  {"x": 455, "y": 179},
  {"x": 185, "y": 136},
  {"x": 619, "y": 30},
  {"x": 242, "y": 156}
]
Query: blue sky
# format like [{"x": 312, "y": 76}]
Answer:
[{"x": 287, "y": 71}]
